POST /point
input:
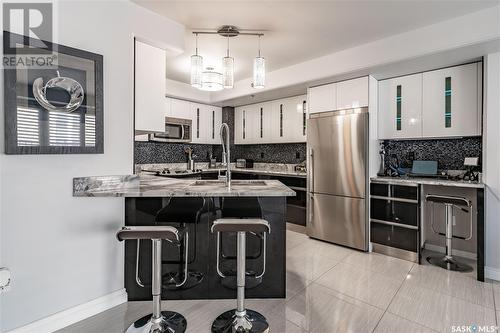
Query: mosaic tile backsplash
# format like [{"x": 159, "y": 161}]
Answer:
[
  {"x": 160, "y": 152},
  {"x": 450, "y": 153}
]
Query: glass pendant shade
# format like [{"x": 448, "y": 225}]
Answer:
[
  {"x": 196, "y": 71},
  {"x": 228, "y": 72},
  {"x": 211, "y": 80},
  {"x": 259, "y": 72}
]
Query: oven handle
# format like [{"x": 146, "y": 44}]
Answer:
[{"x": 182, "y": 132}]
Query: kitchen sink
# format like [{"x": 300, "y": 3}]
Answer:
[{"x": 233, "y": 183}]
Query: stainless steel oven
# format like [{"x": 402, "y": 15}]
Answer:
[{"x": 176, "y": 130}]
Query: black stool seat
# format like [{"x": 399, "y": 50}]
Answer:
[
  {"x": 236, "y": 225},
  {"x": 457, "y": 201},
  {"x": 150, "y": 232}
]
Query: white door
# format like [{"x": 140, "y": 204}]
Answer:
[
  {"x": 238, "y": 125},
  {"x": 400, "y": 107},
  {"x": 181, "y": 109},
  {"x": 322, "y": 98},
  {"x": 352, "y": 93},
  {"x": 168, "y": 107},
  {"x": 199, "y": 116},
  {"x": 253, "y": 123},
  {"x": 450, "y": 102},
  {"x": 150, "y": 81},
  {"x": 295, "y": 121},
  {"x": 270, "y": 122},
  {"x": 218, "y": 123}
]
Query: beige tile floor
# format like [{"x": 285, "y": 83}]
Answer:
[{"x": 334, "y": 289}]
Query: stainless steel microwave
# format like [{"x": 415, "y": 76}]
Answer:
[{"x": 176, "y": 130}]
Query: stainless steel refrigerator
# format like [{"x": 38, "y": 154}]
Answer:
[{"x": 337, "y": 183}]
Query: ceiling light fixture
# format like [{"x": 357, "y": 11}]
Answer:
[
  {"x": 209, "y": 79},
  {"x": 228, "y": 69},
  {"x": 259, "y": 71},
  {"x": 196, "y": 68}
]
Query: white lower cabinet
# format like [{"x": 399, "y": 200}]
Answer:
[
  {"x": 277, "y": 121},
  {"x": 400, "y": 107},
  {"x": 450, "y": 102}
]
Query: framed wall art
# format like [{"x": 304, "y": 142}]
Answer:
[{"x": 52, "y": 107}]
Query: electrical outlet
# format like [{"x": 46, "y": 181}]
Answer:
[
  {"x": 5, "y": 279},
  {"x": 297, "y": 155}
]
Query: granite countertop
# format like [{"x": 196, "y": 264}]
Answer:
[
  {"x": 285, "y": 173},
  {"x": 152, "y": 186},
  {"x": 273, "y": 169},
  {"x": 427, "y": 181}
]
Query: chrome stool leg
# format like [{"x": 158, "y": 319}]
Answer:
[
  {"x": 448, "y": 262},
  {"x": 159, "y": 321},
  {"x": 240, "y": 319}
]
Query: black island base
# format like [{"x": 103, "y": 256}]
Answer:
[{"x": 201, "y": 279}]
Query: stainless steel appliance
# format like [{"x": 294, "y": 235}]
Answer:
[
  {"x": 337, "y": 184},
  {"x": 176, "y": 130}
]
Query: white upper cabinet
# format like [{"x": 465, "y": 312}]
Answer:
[
  {"x": 435, "y": 104},
  {"x": 451, "y": 106},
  {"x": 340, "y": 95},
  {"x": 352, "y": 93},
  {"x": 277, "y": 121},
  {"x": 322, "y": 98},
  {"x": 400, "y": 107},
  {"x": 214, "y": 123},
  {"x": 180, "y": 109},
  {"x": 150, "y": 69}
]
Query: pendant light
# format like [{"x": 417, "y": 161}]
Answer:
[
  {"x": 196, "y": 68},
  {"x": 211, "y": 80},
  {"x": 228, "y": 69},
  {"x": 259, "y": 71}
]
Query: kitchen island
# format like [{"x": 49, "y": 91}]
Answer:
[{"x": 148, "y": 201}]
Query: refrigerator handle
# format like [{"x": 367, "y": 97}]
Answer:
[
  {"x": 311, "y": 170},
  {"x": 311, "y": 207}
]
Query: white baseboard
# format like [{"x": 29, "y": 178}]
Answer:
[
  {"x": 492, "y": 273},
  {"x": 75, "y": 314},
  {"x": 458, "y": 253}
]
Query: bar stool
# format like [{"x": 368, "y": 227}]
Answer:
[
  {"x": 185, "y": 212},
  {"x": 242, "y": 208},
  {"x": 450, "y": 202},
  {"x": 240, "y": 319},
  {"x": 158, "y": 321}
]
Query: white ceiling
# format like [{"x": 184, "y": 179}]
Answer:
[{"x": 296, "y": 31}]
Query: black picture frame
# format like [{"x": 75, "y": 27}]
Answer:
[{"x": 11, "y": 101}]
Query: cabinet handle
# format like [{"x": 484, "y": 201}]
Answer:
[
  {"x": 261, "y": 122},
  {"x": 311, "y": 208},
  {"x": 304, "y": 117},
  {"x": 281, "y": 120},
  {"x": 311, "y": 170},
  {"x": 243, "y": 124},
  {"x": 197, "y": 123},
  {"x": 447, "y": 102},
  {"x": 398, "y": 108}
]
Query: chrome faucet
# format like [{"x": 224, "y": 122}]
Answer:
[{"x": 226, "y": 153}]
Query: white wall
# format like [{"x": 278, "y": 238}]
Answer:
[
  {"x": 62, "y": 250},
  {"x": 491, "y": 163}
]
